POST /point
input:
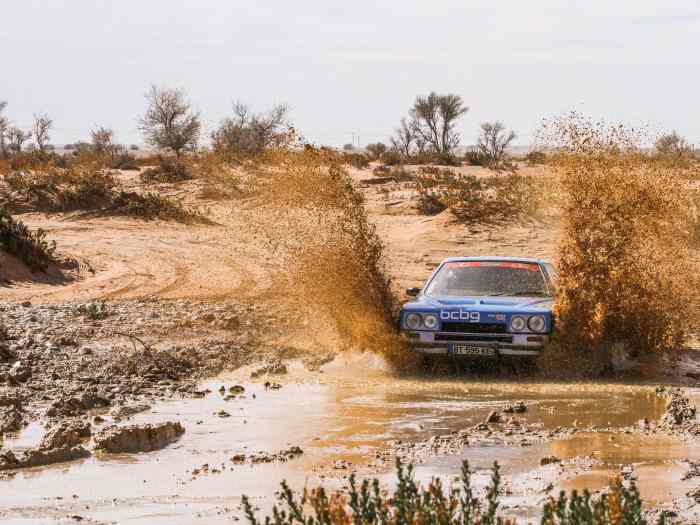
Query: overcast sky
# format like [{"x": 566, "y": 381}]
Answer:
[{"x": 355, "y": 66}]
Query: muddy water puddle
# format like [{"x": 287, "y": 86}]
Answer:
[{"x": 340, "y": 425}]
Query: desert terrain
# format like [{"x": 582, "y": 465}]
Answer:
[{"x": 180, "y": 327}]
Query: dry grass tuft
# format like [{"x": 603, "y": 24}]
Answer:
[
  {"x": 625, "y": 267},
  {"x": 497, "y": 199}
]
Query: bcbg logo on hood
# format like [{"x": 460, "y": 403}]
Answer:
[{"x": 460, "y": 315}]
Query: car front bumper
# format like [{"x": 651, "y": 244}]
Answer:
[{"x": 515, "y": 345}]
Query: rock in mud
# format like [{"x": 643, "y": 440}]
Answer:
[
  {"x": 74, "y": 406},
  {"x": 19, "y": 372},
  {"x": 41, "y": 456},
  {"x": 548, "y": 460},
  {"x": 493, "y": 417},
  {"x": 517, "y": 408},
  {"x": 679, "y": 410},
  {"x": 67, "y": 434},
  {"x": 11, "y": 414},
  {"x": 6, "y": 354},
  {"x": 128, "y": 410},
  {"x": 138, "y": 438}
]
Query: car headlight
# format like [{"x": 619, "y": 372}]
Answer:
[
  {"x": 413, "y": 321},
  {"x": 537, "y": 323},
  {"x": 430, "y": 321},
  {"x": 518, "y": 323}
]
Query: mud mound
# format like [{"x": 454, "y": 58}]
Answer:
[{"x": 135, "y": 438}]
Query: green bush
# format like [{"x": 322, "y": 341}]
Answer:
[
  {"x": 411, "y": 504},
  {"x": 31, "y": 247}
]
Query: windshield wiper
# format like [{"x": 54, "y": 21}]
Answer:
[{"x": 529, "y": 292}]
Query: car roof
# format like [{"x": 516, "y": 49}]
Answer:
[{"x": 497, "y": 259}]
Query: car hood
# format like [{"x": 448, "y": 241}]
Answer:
[{"x": 483, "y": 303}]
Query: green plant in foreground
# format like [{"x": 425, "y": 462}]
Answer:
[
  {"x": 31, "y": 247},
  {"x": 368, "y": 504},
  {"x": 95, "y": 311}
]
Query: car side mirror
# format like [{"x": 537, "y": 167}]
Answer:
[{"x": 412, "y": 292}]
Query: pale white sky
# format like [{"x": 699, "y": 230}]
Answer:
[{"x": 354, "y": 66}]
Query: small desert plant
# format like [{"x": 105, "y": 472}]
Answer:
[
  {"x": 391, "y": 158},
  {"x": 357, "y": 160},
  {"x": 151, "y": 206},
  {"x": 376, "y": 150},
  {"x": 495, "y": 199},
  {"x": 169, "y": 169},
  {"x": 96, "y": 311},
  {"x": 533, "y": 158},
  {"x": 31, "y": 247},
  {"x": 674, "y": 148},
  {"x": 412, "y": 504},
  {"x": 475, "y": 158}
]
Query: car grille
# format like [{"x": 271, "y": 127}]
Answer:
[
  {"x": 470, "y": 337},
  {"x": 474, "y": 328}
]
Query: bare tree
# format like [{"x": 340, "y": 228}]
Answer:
[
  {"x": 4, "y": 124},
  {"x": 493, "y": 141},
  {"x": 672, "y": 145},
  {"x": 435, "y": 118},
  {"x": 404, "y": 137},
  {"x": 102, "y": 140},
  {"x": 16, "y": 138},
  {"x": 40, "y": 129},
  {"x": 376, "y": 150},
  {"x": 169, "y": 121},
  {"x": 252, "y": 133}
]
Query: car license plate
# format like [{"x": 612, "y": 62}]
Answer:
[{"x": 483, "y": 351}]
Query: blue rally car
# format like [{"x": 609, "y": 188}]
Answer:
[{"x": 482, "y": 307}]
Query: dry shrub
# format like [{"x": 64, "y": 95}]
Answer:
[
  {"x": 85, "y": 187},
  {"x": 150, "y": 206},
  {"x": 54, "y": 189},
  {"x": 498, "y": 199},
  {"x": 356, "y": 160},
  {"x": 169, "y": 170},
  {"x": 31, "y": 247},
  {"x": 625, "y": 270},
  {"x": 332, "y": 255}
]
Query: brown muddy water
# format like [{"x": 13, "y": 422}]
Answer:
[{"x": 342, "y": 418}]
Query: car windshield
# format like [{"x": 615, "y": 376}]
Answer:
[{"x": 488, "y": 278}]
